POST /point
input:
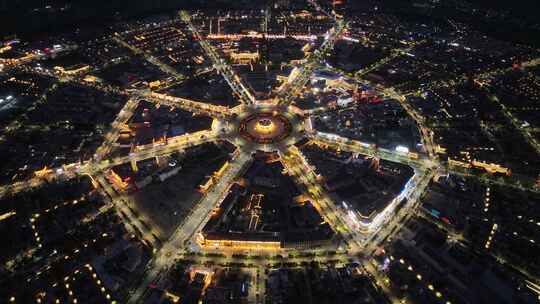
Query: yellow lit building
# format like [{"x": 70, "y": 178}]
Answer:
[
  {"x": 14, "y": 61},
  {"x": 488, "y": 167},
  {"x": 7, "y": 215},
  {"x": 213, "y": 241},
  {"x": 118, "y": 181},
  {"x": 307, "y": 48},
  {"x": 245, "y": 57},
  {"x": 491, "y": 167},
  {"x": 154, "y": 84},
  {"x": 5, "y": 49},
  {"x": 221, "y": 170},
  {"x": 204, "y": 187},
  {"x": 74, "y": 70},
  {"x": 439, "y": 149},
  {"x": 43, "y": 173}
]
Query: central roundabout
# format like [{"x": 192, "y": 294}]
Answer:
[{"x": 265, "y": 128}]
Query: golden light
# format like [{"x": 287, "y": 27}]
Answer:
[{"x": 265, "y": 126}]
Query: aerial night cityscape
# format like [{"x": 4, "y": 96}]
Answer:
[{"x": 270, "y": 151}]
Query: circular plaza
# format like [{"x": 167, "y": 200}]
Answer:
[{"x": 265, "y": 128}]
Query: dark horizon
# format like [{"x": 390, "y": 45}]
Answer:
[{"x": 19, "y": 17}]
